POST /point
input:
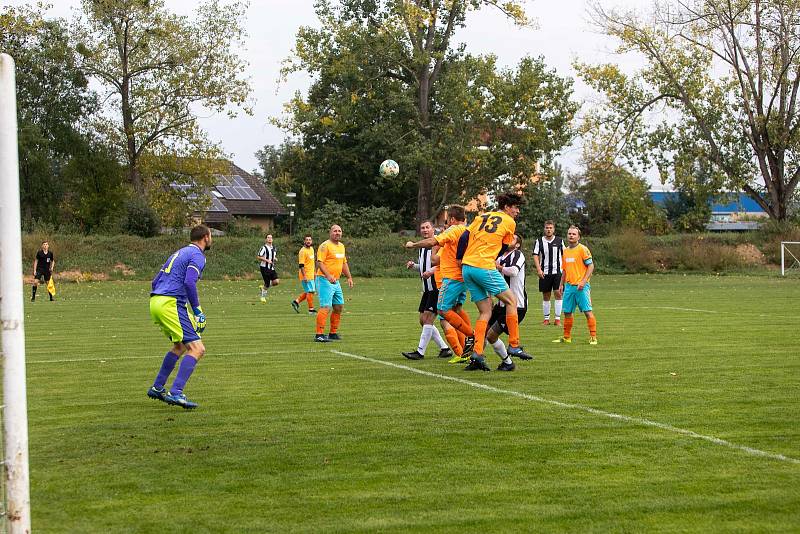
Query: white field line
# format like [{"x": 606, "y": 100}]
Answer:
[
  {"x": 155, "y": 356},
  {"x": 579, "y": 407}
]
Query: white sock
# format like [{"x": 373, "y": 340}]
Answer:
[
  {"x": 424, "y": 338},
  {"x": 263, "y": 292},
  {"x": 558, "y": 309},
  {"x": 500, "y": 348},
  {"x": 437, "y": 338},
  {"x": 546, "y": 308}
]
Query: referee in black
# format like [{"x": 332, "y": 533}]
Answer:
[
  {"x": 547, "y": 252},
  {"x": 43, "y": 267}
]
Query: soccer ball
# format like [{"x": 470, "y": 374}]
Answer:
[{"x": 389, "y": 168}]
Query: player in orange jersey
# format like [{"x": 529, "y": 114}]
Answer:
[
  {"x": 578, "y": 267},
  {"x": 331, "y": 263},
  {"x": 307, "y": 264},
  {"x": 487, "y": 237},
  {"x": 452, "y": 293}
]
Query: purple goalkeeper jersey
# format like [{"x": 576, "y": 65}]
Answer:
[{"x": 171, "y": 279}]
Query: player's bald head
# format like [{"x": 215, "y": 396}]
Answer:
[{"x": 336, "y": 233}]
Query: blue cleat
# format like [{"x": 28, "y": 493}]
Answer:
[
  {"x": 321, "y": 338},
  {"x": 179, "y": 399},
  {"x": 157, "y": 393},
  {"x": 334, "y": 337},
  {"x": 517, "y": 352}
]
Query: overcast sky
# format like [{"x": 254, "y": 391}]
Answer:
[{"x": 562, "y": 34}]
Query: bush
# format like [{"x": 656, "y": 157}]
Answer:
[
  {"x": 140, "y": 219},
  {"x": 632, "y": 250},
  {"x": 241, "y": 227},
  {"x": 699, "y": 254},
  {"x": 355, "y": 222}
]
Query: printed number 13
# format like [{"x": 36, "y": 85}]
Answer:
[{"x": 492, "y": 226}]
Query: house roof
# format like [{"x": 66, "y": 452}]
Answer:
[{"x": 239, "y": 193}]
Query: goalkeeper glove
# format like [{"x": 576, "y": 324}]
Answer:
[{"x": 200, "y": 319}]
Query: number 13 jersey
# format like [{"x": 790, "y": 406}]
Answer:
[{"x": 487, "y": 234}]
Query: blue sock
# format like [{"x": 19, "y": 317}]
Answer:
[
  {"x": 184, "y": 372},
  {"x": 170, "y": 359}
]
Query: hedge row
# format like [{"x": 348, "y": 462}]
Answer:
[{"x": 82, "y": 257}]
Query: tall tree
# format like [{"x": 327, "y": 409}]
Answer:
[
  {"x": 388, "y": 84},
  {"x": 158, "y": 68},
  {"x": 53, "y": 98},
  {"x": 726, "y": 75}
]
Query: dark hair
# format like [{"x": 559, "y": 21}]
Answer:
[
  {"x": 457, "y": 213},
  {"x": 519, "y": 240},
  {"x": 199, "y": 232},
  {"x": 550, "y": 222},
  {"x": 308, "y": 235},
  {"x": 508, "y": 199}
]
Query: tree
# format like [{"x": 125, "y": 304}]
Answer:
[
  {"x": 726, "y": 75},
  {"x": 545, "y": 200},
  {"x": 53, "y": 99},
  {"x": 616, "y": 199},
  {"x": 157, "y": 68},
  {"x": 387, "y": 84}
]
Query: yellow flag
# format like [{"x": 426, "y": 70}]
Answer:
[{"x": 51, "y": 287}]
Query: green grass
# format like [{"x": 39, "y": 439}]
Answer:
[{"x": 291, "y": 437}]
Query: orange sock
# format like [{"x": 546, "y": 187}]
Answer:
[
  {"x": 568, "y": 320},
  {"x": 512, "y": 321},
  {"x": 464, "y": 316},
  {"x": 451, "y": 335},
  {"x": 458, "y": 323},
  {"x": 322, "y": 318},
  {"x": 592, "y": 326},
  {"x": 480, "y": 336},
  {"x": 461, "y": 338},
  {"x": 310, "y": 298},
  {"x": 301, "y": 298},
  {"x": 336, "y": 317}
]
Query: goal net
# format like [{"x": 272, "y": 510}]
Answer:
[{"x": 790, "y": 256}]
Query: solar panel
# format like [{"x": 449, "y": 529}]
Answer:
[
  {"x": 216, "y": 205},
  {"x": 235, "y": 188}
]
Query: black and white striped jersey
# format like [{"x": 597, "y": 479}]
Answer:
[
  {"x": 424, "y": 264},
  {"x": 549, "y": 253},
  {"x": 515, "y": 261},
  {"x": 269, "y": 253}
]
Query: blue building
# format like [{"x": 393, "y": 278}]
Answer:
[{"x": 729, "y": 212}]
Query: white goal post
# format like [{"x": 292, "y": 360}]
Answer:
[
  {"x": 786, "y": 250},
  {"x": 15, "y": 403}
]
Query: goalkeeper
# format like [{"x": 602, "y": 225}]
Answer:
[{"x": 175, "y": 308}]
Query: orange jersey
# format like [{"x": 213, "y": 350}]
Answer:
[
  {"x": 306, "y": 258},
  {"x": 437, "y": 270},
  {"x": 487, "y": 234},
  {"x": 574, "y": 263},
  {"x": 448, "y": 241},
  {"x": 333, "y": 257}
]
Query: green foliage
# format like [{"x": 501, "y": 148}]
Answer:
[
  {"x": 617, "y": 199},
  {"x": 159, "y": 68},
  {"x": 717, "y": 88},
  {"x": 53, "y": 103},
  {"x": 544, "y": 200},
  {"x": 358, "y": 222},
  {"x": 388, "y": 84},
  {"x": 140, "y": 219},
  {"x": 242, "y": 227}
]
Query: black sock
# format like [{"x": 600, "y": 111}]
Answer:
[{"x": 34, "y": 291}]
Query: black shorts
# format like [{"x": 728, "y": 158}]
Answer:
[
  {"x": 43, "y": 277},
  {"x": 428, "y": 301},
  {"x": 499, "y": 317},
  {"x": 550, "y": 282},
  {"x": 268, "y": 275}
]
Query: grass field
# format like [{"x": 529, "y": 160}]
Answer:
[{"x": 293, "y": 436}]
